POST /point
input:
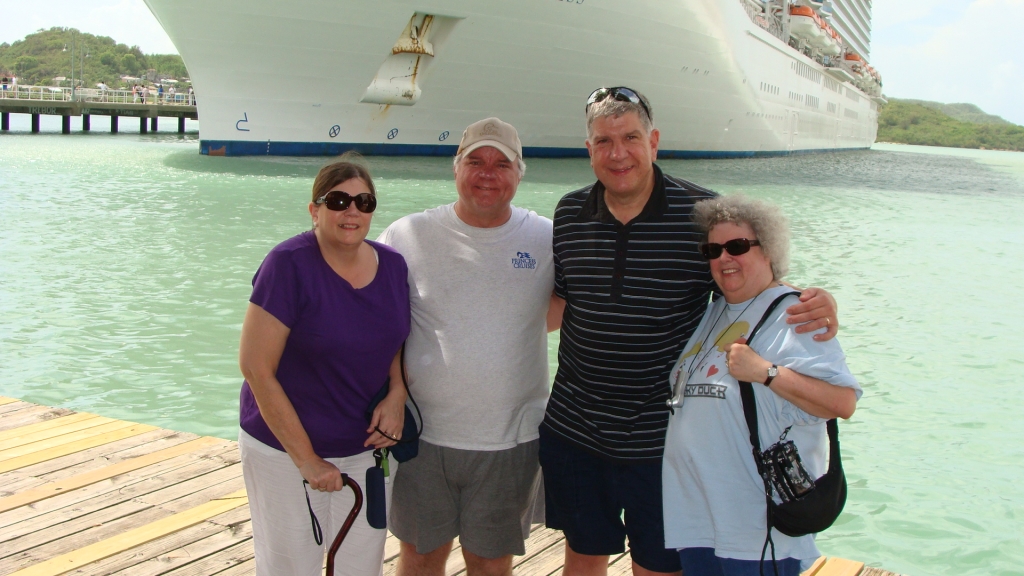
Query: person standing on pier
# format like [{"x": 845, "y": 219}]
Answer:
[
  {"x": 481, "y": 279},
  {"x": 328, "y": 314},
  {"x": 634, "y": 288}
]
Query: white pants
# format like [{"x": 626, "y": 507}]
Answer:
[{"x": 281, "y": 526}]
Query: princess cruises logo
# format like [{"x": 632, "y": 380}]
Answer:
[{"x": 524, "y": 260}]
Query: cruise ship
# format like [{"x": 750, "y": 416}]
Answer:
[{"x": 726, "y": 78}]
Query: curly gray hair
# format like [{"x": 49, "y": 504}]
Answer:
[
  {"x": 616, "y": 108},
  {"x": 769, "y": 225}
]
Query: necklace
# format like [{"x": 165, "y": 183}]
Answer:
[{"x": 679, "y": 391}]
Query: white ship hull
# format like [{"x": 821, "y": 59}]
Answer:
[{"x": 287, "y": 78}]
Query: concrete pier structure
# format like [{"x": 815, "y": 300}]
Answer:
[{"x": 37, "y": 101}]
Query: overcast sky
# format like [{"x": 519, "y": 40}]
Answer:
[{"x": 943, "y": 50}]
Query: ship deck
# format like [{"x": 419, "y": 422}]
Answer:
[{"x": 90, "y": 495}]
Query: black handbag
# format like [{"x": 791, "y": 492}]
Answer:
[
  {"x": 409, "y": 446},
  {"x": 818, "y": 507}
]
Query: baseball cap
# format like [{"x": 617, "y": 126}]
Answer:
[{"x": 492, "y": 132}]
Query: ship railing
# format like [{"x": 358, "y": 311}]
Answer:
[
  {"x": 758, "y": 13},
  {"x": 59, "y": 94}
]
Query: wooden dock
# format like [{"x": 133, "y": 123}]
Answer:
[{"x": 85, "y": 494}]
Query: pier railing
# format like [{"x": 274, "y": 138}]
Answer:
[{"x": 57, "y": 94}]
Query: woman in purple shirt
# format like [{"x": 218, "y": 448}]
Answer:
[{"x": 328, "y": 314}]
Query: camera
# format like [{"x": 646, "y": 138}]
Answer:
[{"x": 781, "y": 467}]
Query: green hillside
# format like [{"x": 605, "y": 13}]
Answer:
[
  {"x": 963, "y": 112},
  {"x": 41, "y": 57},
  {"x": 908, "y": 122}
]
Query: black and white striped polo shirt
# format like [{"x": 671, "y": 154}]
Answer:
[{"x": 634, "y": 292}]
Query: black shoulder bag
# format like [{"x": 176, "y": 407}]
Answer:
[{"x": 808, "y": 506}]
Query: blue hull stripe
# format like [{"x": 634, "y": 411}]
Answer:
[{"x": 249, "y": 148}]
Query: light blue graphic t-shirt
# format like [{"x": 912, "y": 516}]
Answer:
[{"x": 713, "y": 495}]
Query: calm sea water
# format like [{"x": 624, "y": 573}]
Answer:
[{"x": 125, "y": 267}]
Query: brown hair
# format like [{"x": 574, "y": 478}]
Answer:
[{"x": 348, "y": 166}]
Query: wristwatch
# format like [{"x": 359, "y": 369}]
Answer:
[{"x": 772, "y": 373}]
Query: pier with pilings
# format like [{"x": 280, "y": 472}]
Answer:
[{"x": 38, "y": 101}]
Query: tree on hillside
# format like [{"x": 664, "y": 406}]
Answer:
[
  {"x": 911, "y": 123},
  {"x": 47, "y": 54}
]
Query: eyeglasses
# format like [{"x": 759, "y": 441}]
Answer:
[
  {"x": 734, "y": 247},
  {"x": 339, "y": 201},
  {"x": 620, "y": 93}
]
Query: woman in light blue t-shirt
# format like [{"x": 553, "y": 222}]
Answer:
[{"x": 715, "y": 513}]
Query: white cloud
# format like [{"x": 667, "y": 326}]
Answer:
[
  {"x": 977, "y": 58},
  {"x": 127, "y": 21}
]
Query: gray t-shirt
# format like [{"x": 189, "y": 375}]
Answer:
[
  {"x": 477, "y": 354},
  {"x": 713, "y": 496}
]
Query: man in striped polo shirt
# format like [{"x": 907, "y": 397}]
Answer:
[{"x": 635, "y": 288}]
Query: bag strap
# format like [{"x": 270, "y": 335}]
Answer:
[
  {"x": 747, "y": 391},
  {"x": 419, "y": 415},
  {"x": 750, "y": 415}
]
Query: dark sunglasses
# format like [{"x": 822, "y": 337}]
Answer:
[
  {"x": 734, "y": 247},
  {"x": 339, "y": 201},
  {"x": 620, "y": 93}
]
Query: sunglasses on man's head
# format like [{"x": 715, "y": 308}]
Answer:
[
  {"x": 734, "y": 247},
  {"x": 620, "y": 93},
  {"x": 339, "y": 201}
]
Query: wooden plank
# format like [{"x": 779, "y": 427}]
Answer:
[
  {"x": 870, "y": 571},
  {"x": 392, "y": 546},
  {"x": 620, "y": 565},
  {"x": 52, "y": 428},
  {"x": 6, "y": 400},
  {"x": 840, "y": 567},
  {"x": 30, "y": 414},
  {"x": 63, "y": 486},
  {"x": 16, "y": 406},
  {"x": 177, "y": 549},
  {"x": 23, "y": 528},
  {"x": 72, "y": 447},
  {"x": 45, "y": 425},
  {"x": 136, "y": 537},
  {"x": 547, "y": 562},
  {"x": 217, "y": 562},
  {"x": 103, "y": 455},
  {"x": 45, "y": 444},
  {"x": 813, "y": 570},
  {"x": 247, "y": 568}
]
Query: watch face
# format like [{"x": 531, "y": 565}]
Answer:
[{"x": 773, "y": 371}]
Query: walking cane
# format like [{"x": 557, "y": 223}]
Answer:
[{"x": 345, "y": 481}]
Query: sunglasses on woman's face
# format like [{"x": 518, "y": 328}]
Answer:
[
  {"x": 339, "y": 201},
  {"x": 734, "y": 247}
]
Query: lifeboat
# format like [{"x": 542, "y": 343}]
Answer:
[
  {"x": 834, "y": 48},
  {"x": 804, "y": 23},
  {"x": 825, "y": 40}
]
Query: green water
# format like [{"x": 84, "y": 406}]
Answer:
[{"x": 125, "y": 267}]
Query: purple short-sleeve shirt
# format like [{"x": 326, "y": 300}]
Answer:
[{"x": 341, "y": 343}]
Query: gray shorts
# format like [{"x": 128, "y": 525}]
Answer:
[{"x": 485, "y": 498}]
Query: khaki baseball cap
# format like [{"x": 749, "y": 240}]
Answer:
[{"x": 495, "y": 133}]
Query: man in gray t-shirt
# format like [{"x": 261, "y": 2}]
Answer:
[{"x": 481, "y": 279}]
